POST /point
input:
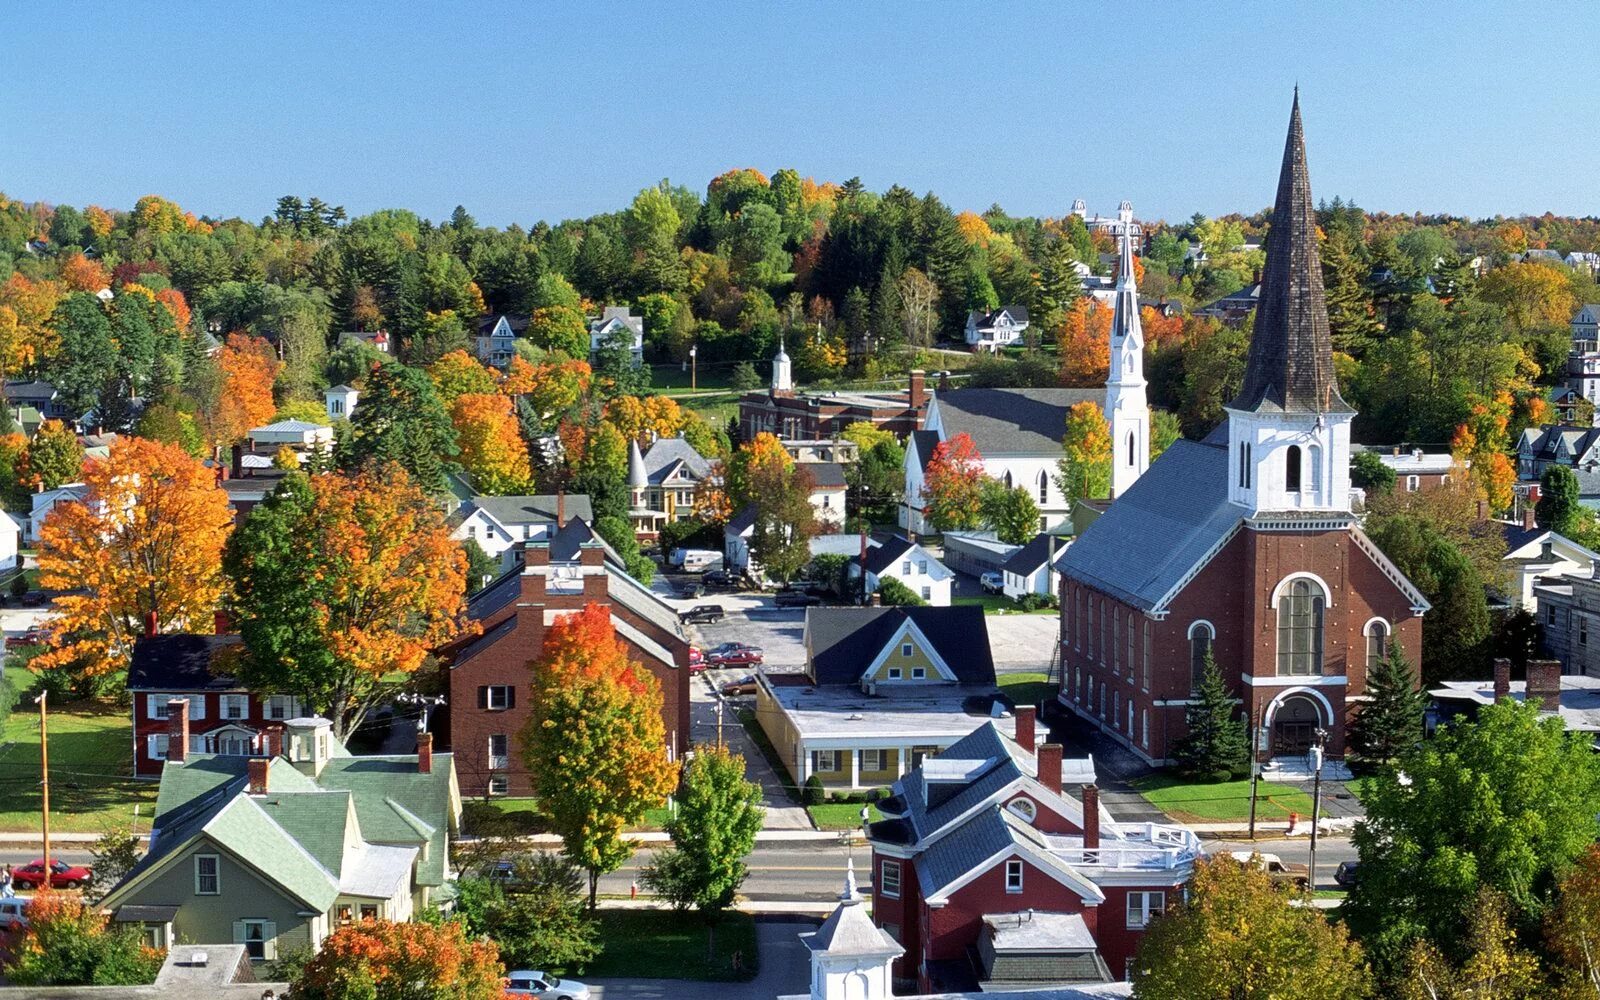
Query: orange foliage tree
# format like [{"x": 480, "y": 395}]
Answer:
[
  {"x": 26, "y": 334},
  {"x": 1484, "y": 440},
  {"x": 176, "y": 306},
  {"x": 419, "y": 961},
  {"x": 458, "y": 373},
  {"x": 84, "y": 275},
  {"x": 341, "y": 581},
  {"x": 69, "y": 942},
  {"x": 952, "y": 487},
  {"x": 1160, "y": 329},
  {"x": 249, "y": 367},
  {"x": 647, "y": 417},
  {"x": 492, "y": 449},
  {"x": 1085, "y": 340},
  {"x": 551, "y": 389},
  {"x": 146, "y": 540},
  {"x": 763, "y": 452}
]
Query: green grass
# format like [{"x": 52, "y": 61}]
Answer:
[
  {"x": 91, "y": 761},
  {"x": 842, "y": 815},
  {"x": 670, "y": 377},
  {"x": 999, "y": 604},
  {"x": 662, "y": 944},
  {"x": 1221, "y": 802},
  {"x": 519, "y": 816},
  {"x": 1027, "y": 689},
  {"x": 1329, "y": 893}
]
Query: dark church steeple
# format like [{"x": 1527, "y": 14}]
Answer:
[{"x": 1290, "y": 368}]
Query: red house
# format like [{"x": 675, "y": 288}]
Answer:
[
  {"x": 992, "y": 876},
  {"x": 1243, "y": 545},
  {"x": 487, "y": 677}
]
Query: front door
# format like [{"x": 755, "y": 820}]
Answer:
[{"x": 1294, "y": 727}]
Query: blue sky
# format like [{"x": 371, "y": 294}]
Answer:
[{"x": 532, "y": 111}]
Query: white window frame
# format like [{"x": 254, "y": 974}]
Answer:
[
  {"x": 1024, "y": 807},
  {"x": 272, "y": 704},
  {"x": 268, "y": 938},
  {"x": 1013, "y": 876},
  {"x": 231, "y": 703},
  {"x": 827, "y": 760},
  {"x": 1143, "y": 905},
  {"x": 927, "y": 592},
  {"x": 889, "y": 879},
  {"x": 216, "y": 875},
  {"x": 894, "y": 673},
  {"x": 872, "y": 759},
  {"x": 905, "y": 567},
  {"x": 504, "y": 700},
  {"x": 157, "y": 746},
  {"x": 1413, "y": 484},
  {"x": 498, "y": 784},
  {"x": 919, "y": 673},
  {"x": 905, "y": 649}
]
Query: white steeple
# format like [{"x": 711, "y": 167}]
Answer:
[
  {"x": 782, "y": 380},
  {"x": 1126, "y": 407},
  {"x": 851, "y": 957}
]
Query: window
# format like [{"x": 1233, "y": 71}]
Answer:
[
  {"x": 498, "y": 752},
  {"x": 499, "y": 785},
  {"x": 905, "y": 567},
  {"x": 1009, "y": 483},
  {"x": 919, "y": 673},
  {"x": 207, "y": 875},
  {"x": 257, "y": 936},
  {"x": 156, "y": 705},
  {"x": 1044, "y": 488},
  {"x": 1144, "y": 906},
  {"x": 1300, "y": 629},
  {"x": 1200, "y": 636},
  {"x": 280, "y": 706},
  {"x": 1583, "y": 631},
  {"x": 1244, "y": 465},
  {"x": 922, "y": 567},
  {"x": 156, "y": 746},
  {"x": 1314, "y": 458},
  {"x": 369, "y": 911},
  {"x": 872, "y": 760},
  {"x": 1413, "y": 483},
  {"x": 1144, "y": 727},
  {"x": 1116, "y": 626},
  {"x": 151, "y": 936},
  {"x": 1130, "y": 440},
  {"x": 235, "y": 706},
  {"x": 889, "y": 879},
  {"x": 894, "y": 673},
  {"x": 1377, "y": 643},
  {"x": 1550, "y": 615},
  {"x": 341, "y": 914},
  {"x": 1013, "y": 876},
  {"x": 1291, "y": 469},
  {"x": 497, "y": 697},
  {"x": 825, "y": 760},
  {"x": 927, "y": 592},
  {"x": 1024, "y": 807},
  {"x": 1144, "y": 677}
]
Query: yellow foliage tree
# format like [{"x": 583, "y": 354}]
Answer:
[{"x": 492, "y": 449}]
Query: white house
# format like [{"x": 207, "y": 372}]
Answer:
[
  {"x": 1017, "y": 431},
  {"x": 499, "y": 524},
  {"x": 827, "y": 491},
  {"x": 11, "y": 530},
  {"x": 497, "y": 338},
  {"x": 45, "y": 501},
  {"x": 1535, "y": 554},
  {"x": 616, "y": 322},
  {"x": 1030, "y": 569},
  {"x": 913, "y": 566},
  {"x": 341, "y": 400},
  {"x": 992, "y": 330}
]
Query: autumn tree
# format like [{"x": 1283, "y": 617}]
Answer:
[
  {"x": 549, "y": 391},
  {"x": 68, "y": 942},
  {"x": 341, "y": 581},
  {"x": 248, "y": 367},
  {"x": 1084, "y": 470},
  {"x": 1493, "y": 964},
  {"x": 952, "y": 486},
  {"x": 53, "y": 457},
  {"x": 401, "y": 420},
  {"x": 388, "y": 960},
  {"x": 595, "y": 746},
  {"x": 80, "y": 274},
  {"x": 560, "y": 328},
  {"x": 146, "y": 540},
  {"x": 785, "y": 520},
  {"x": 919, "y": 307},
  {"x": 1236, "y": 934},
  {"x": 459, "y": 373},
  {"x": 492, "y": 449},
  {"x": 1533, "y": 294},
  {"x": 1084, "y": 337},
  {"x": 761, "y": 453},
  {"x": 1573, "y": 926}
]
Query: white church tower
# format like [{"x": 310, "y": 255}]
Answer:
[
  {"x": 851, "y": 957},
  {"x": 782, "y": 378},
  {"x": 1127, "y": 411}
]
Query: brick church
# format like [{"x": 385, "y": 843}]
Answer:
[{"x": 1243, "y": 544}]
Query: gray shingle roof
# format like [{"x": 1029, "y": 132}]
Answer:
[
  {"x": 926, "y": 441},
  {"x": 668, "y": 452},
  {"x": 1011, "y": 421},
  {"x": 1030, "y": 557},
  {"x": 825, "y": 475},
  {"x": 537, "y": 509},
  {"x": 180, "y": 662},
  {"x": 1147, "y": 541},
  {"x": 962, "y": 850},
  {"x": 842, "y": 642}
]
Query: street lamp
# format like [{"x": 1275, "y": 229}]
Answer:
[
  {"x": 694, "y": 352},
  {"x": 1321, "y": 736}
]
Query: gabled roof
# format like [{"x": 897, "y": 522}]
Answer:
[
  {"x": 841, "y": 642},
  {"x": 1030, "y": 557},
  {"x": 1010, "y": 421},
  {"x": 926, "y": 441},
  {"x": 516, "y": 321},
  {"x": 979, "y": 318},
  {"x": 824, "y": 475},
  {"x": 668, "y": 453},
  {"x": 955, "y": 859},
  {"x": 742, "y": 521},
  {"x": 882, "y": 558},
  {"x": 541, "y": 508},
  {"x": 390, "y": 794},
  {"x": 181, "y": 662}
]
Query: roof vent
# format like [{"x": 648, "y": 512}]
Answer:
[
  {"x": 198, "y": 958},
  {"x": 856, "y": 716}
]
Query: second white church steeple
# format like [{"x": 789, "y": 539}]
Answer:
[{"x": 1127, "y": 410}]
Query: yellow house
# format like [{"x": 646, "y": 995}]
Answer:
[{"x": 882, "y": 689}]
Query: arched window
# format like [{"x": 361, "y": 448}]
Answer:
[
  {"x": 1314, "y": 456},
  {"x": 1291, "y": 471},
  {"x": 1300, "y": 629},
  {"x": 1024, "y": 807},
  {"x": 1200, "y": 636},
  {"x": 1377, "y": 643},
  {"x": 1131, "y": 460},
  {"x": 1044, "y": 487}
]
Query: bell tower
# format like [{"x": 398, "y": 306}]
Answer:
[{"x": 1127, "y": 410}]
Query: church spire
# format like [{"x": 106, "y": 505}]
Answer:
[
  {"x": 1127, "y": 410},
  {"x": 1290, "y": 367}
]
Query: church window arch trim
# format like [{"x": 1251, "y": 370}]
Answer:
[{"x": 1283, "y": 586}]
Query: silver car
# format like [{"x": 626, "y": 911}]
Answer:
[{"x": 536, "y": 984}]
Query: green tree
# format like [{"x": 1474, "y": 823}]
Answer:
[
  {"x": 1457, "y": 624},
  {"x": 744, "y": 377},
  {"x": 1238, "y": 936},
  {"x": 86, "y": 359},
  {"x": 1217, "y": 745},
  {"x": 1350, "y": 311},
  {"x": 1369, "y": 473},
  {"x": 481, "y": 566},
  {"x": 1391, "y": 722},
  {"x": 1059, "y": 284},
  {"x": 402, "y": 420},
  {"x": 166, "y": 423},
  {"x": 719, "y": 815},
  {"x": 1507, "y": 802},
  {"x": 115, "y": 853},
  {"x": 1558, "y": 508},
  {"x": 560, "y": 328},
  {"x": 1009, "y": 512},
  {"x": 785, "y": 520},
  {"x": 54, "y": 456},
  {"x": 1164, "y": 430},
  {"x": 892, "y": 593},
  {"x": 541, "y": 923}
]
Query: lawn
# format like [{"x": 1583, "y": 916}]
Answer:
[
  {"x": 91, "y": 760},
  {"x": 1221, "y": 802},
  {"x": 1027, "y": 688},
  {"x": 842, "y": 815},
  {"x": 670, "y": 377},
  {"x": 999, "y": 604},
  {"x": 663, "y": 944},
  {"x": 520, "y": 816}
]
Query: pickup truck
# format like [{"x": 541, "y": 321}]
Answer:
[{"x": 1277, "y": 869}]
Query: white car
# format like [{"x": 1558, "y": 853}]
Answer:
[
  {"x": 11, "y": 915},
  {"x": 537, "y": 984},
  {"x": 992, "y": 582}
]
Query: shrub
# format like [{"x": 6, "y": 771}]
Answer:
[
  {"x": 19, "y": 585},
  {"x": 69, "y": 944},
  {"x": 893, "y": 593},
  {"x": 813, "y": 794}
]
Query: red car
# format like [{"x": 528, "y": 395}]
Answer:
[
  {"x": 62, "y": 875},
  {"x": 32, "y": 637},
  {"x": 735, "y": 657}
]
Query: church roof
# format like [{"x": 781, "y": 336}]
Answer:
[
  {"x": 1125, "y": 313},
  {"x": 1290, "y": 367},
  {"x": 1010, "y": 421}
]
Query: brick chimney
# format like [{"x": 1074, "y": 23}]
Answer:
[
  {"x": 152, "y": 625},
  {"x": 177, "y": 729},
  {"x": 877, "y": 600},
  {"x": 237, "y": 461},
  {"x": 1527, "y": 518},
  {"x": 1544, "y": 684},
  {"x": 272, "y": 741},
  {"x": 1049, "y": 758},
  {"x": 220, "y": 624},
  {"x": 1483, "y": 511},
  {"x": 561, "y": 508},
  {"x": 1027, "y": 718},
  {"x": 424, "y": 753},
  {"x": 918, "y": 393},
  {"x": 1091, "y": 817},
  {"x": 258, "y": 774},
  {"x": 944, "y": 381},
  {"x": 1502, "y": 680}
]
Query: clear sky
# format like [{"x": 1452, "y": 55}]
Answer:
[{"x": 528, "y": 111}]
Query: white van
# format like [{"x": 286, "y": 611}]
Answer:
[{"x": 11, "y": 916}]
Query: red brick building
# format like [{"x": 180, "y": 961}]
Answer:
[
  {"x": 487, "y": 680},
  {"x": 988, "y": 871},
  {"x": 1243, "y": 545},
  {"x": 793, "y": 416}
]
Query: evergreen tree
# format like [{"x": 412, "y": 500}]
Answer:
[
  {"x": 1349, "y": 304},
  {"x": 887, "y": 313},
  {"x": 1558, "y": 509},
  {"x": 1391, "y": 722},
  {"x": 1059, "y": 285},
  {"x": 402, "y": 420},
  {"x": 1217, "y": 745}
]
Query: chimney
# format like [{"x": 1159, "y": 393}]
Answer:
[
  {"x": 1396, "y": 451},
  {"x": 220, "y": 623},
  {"x": 1527, "y": 517},
  {"x": 272, "y": 741},
  {"x": 1544, "y": 684},
  {"x": 152, "y": 626},
  {"x": 1049, "y": 760},
  {"x": 1483, "y": 511},
  {"x": 258, "y": 774},
  {"x": 1502, "y": 680},
  {"x": 561, "y": 507},
  {"x": 944, "y": 381},
  {"x": 237, "y": 461},
  {"x": 877, "y": 600},
  {"x": 1091, "y": 817},
  {"x": 177, "y": 729},
  {"x": 918, "y": 392},
  {"x": 424, "y": 753},
  {"x": 1027, "y": 718}
]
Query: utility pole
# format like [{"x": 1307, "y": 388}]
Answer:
[
  {"x": 44, "y": 773},
  {"x": 1316, "y": 803},
  {"x": 1255, "y": 769}
]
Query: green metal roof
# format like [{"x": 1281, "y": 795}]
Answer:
[
  {"x": 246, "y": 830},
  {"x": 379, "y": 784}
]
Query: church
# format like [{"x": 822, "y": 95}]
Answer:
[{"x": 1244, "y": 544}]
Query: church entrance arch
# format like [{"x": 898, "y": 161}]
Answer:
[{"x": 1294, "y": 725}]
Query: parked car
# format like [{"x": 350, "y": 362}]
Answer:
[
  {"x": 992, "y": 582},
  {"x": 689, "y": 589},
  {"x": 701, "y": 614},
  {"x": 796, "y": 599},
  {"x": 1345, "y": 874},
  {"x": 537, "y": 984},
  {"x": 728, "y": 647},
  {"x": 721, "y": 579},
  {"x": 744, "y": 685},
  {"x": 748, "y": 656},
  {"x": 11, "y": 916},
  {"x": 34, "y": 599},
  {"x": 32, "y": 637},
  {"x": 62, "y": 875},
  {"x": 696, "y": 655},
  {"x": 1279, "y": 870}
]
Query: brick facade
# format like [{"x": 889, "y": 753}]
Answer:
[{"x": 206, "y": 717}]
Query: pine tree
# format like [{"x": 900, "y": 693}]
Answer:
[
  {"x": 1349, "y": 305},
  {"x": 1218, "y": 745},
  {"x": 1391, "y": 722},
  {"x": 1558, "y": 508},
  {"x": 1059, "y": 286}
]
